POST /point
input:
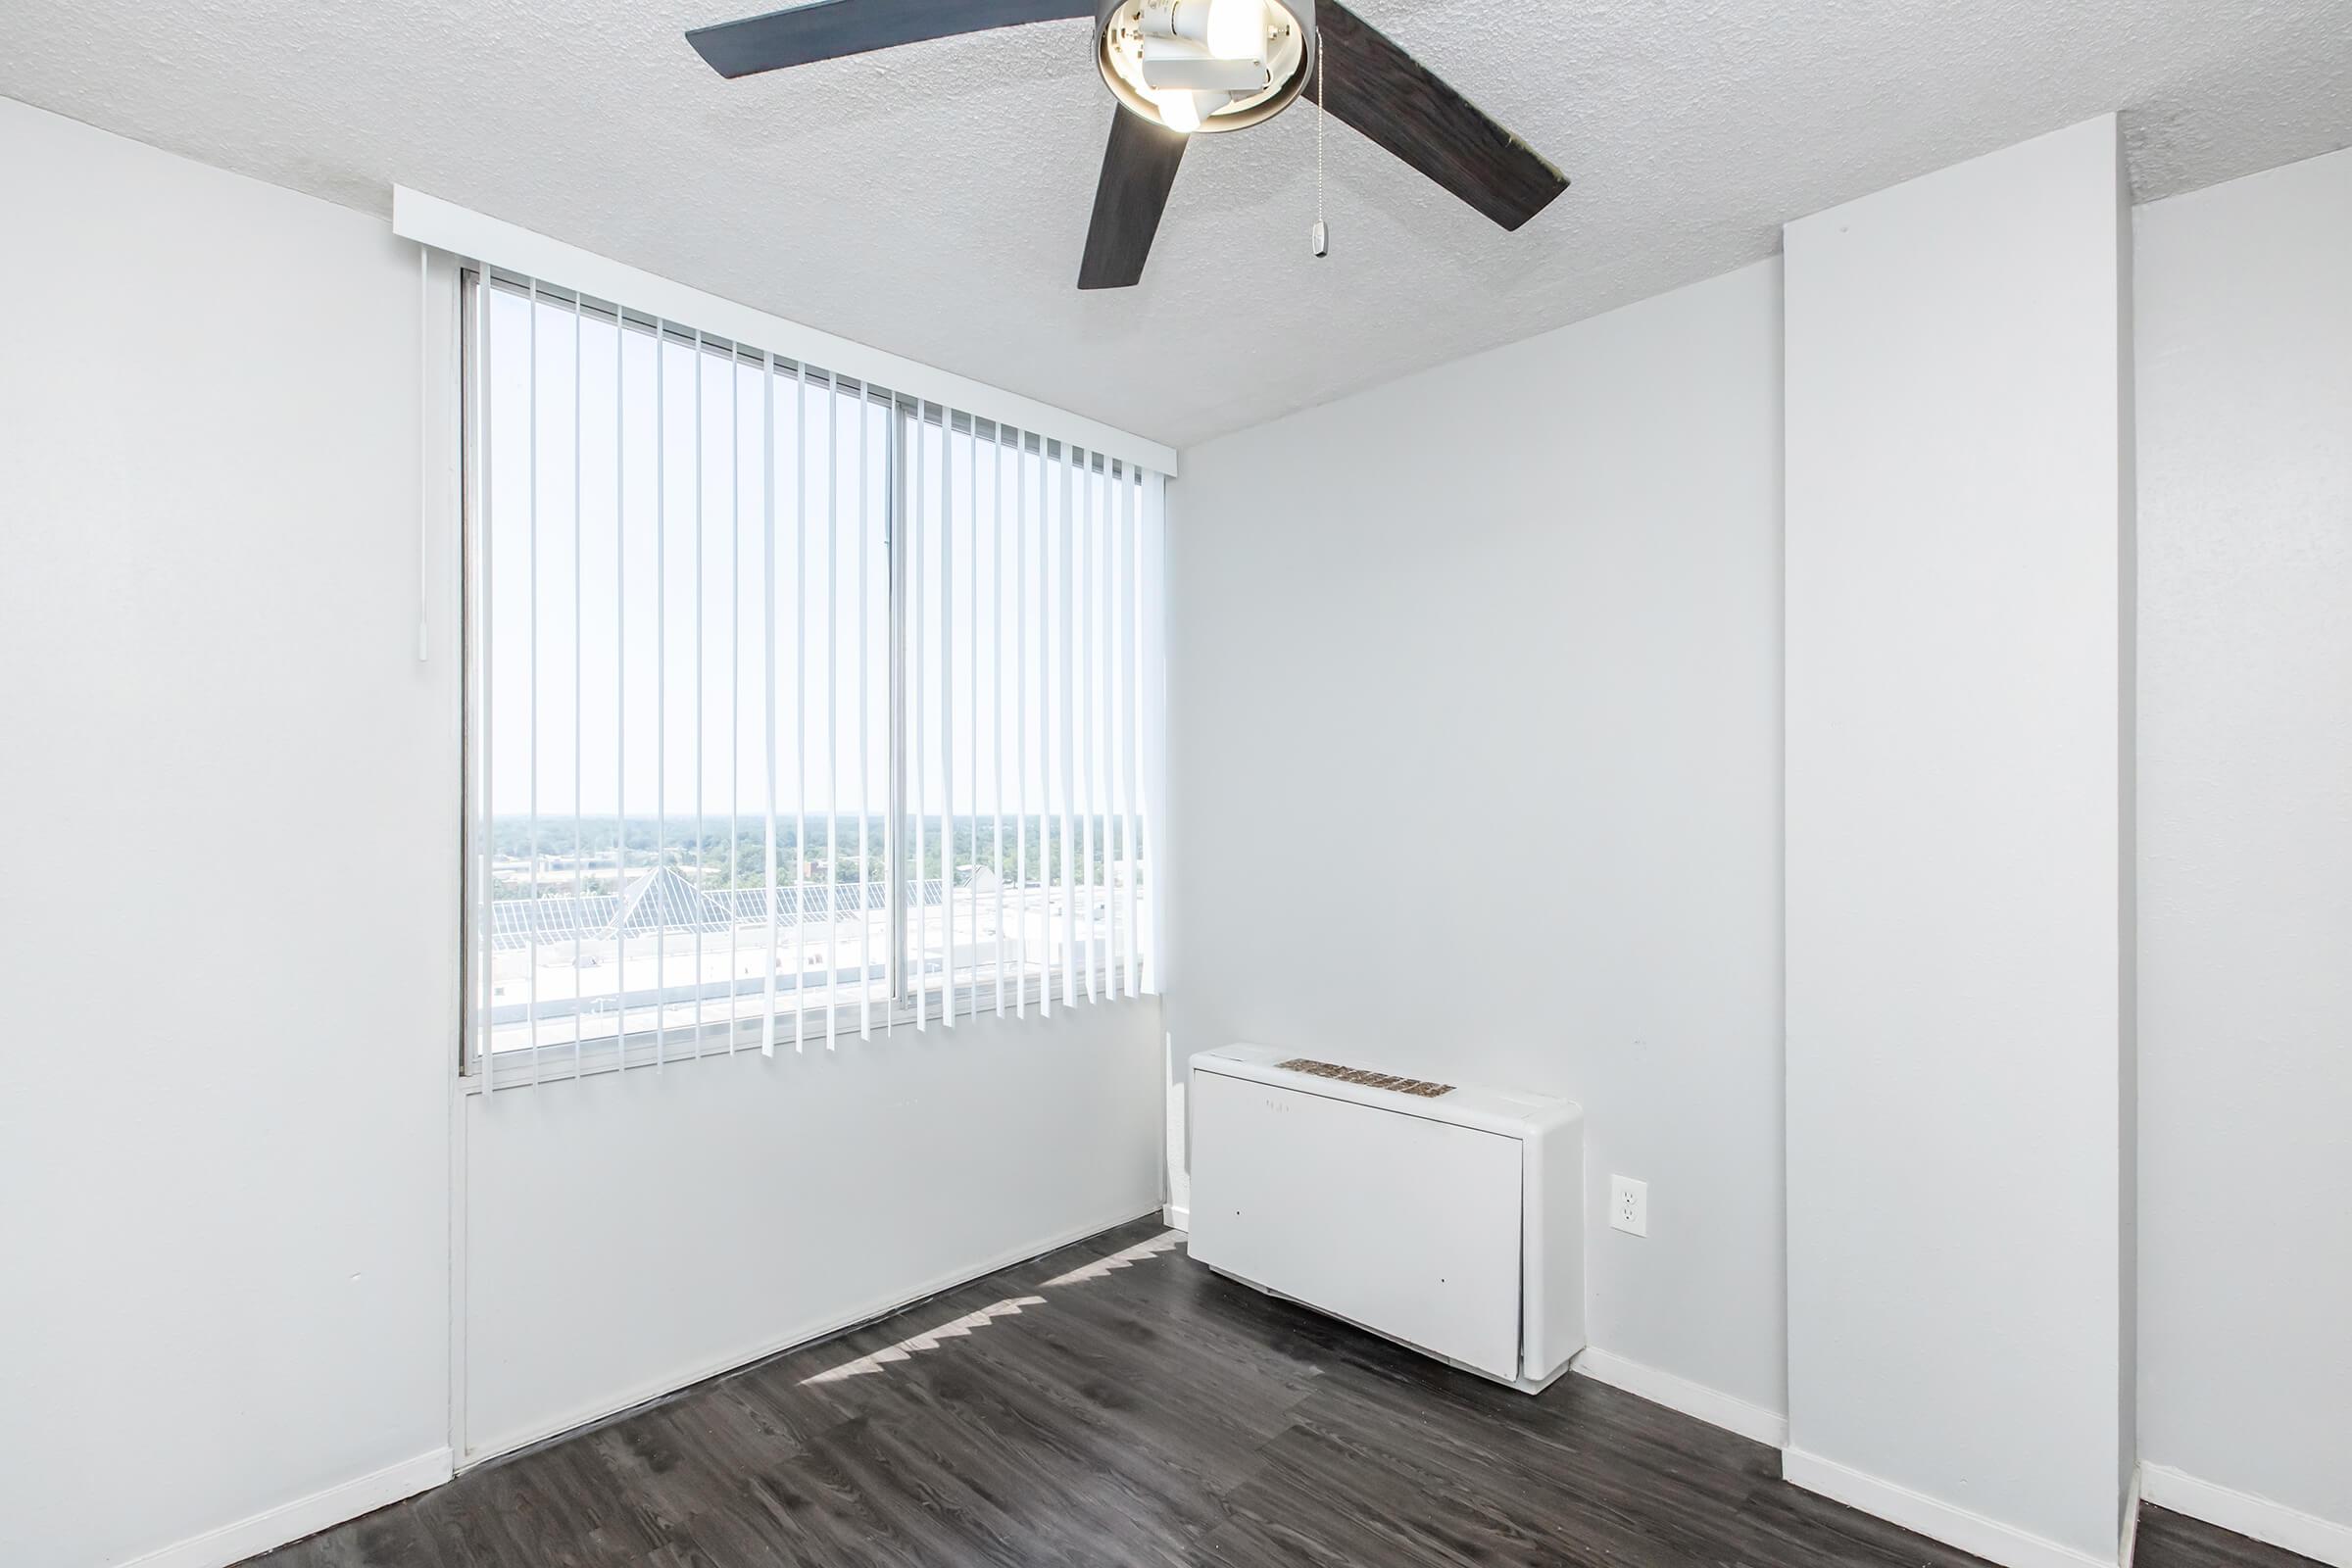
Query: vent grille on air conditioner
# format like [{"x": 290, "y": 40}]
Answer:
[{"x": 1370, "y": 1080}]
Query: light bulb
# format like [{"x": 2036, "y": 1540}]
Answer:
[
  {"x": 1237, "y": 29},
  {"x": 1179, "y": 111}
]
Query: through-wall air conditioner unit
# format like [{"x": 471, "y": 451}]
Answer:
[{"x": 1448, "y": 1218}]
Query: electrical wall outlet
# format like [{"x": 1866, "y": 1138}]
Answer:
[{"x": 1629, "y": 1206}]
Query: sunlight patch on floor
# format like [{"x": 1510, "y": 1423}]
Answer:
[
  {"x": 1126, "y": 1257},
  {"x": 929, "y": 1340}
]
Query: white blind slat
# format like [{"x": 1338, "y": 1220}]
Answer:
[
  {"x": 865, "y": 811},
  {"x": 1089, "y": 726},
  {"x": 996, "y": 689},
  {"x": 1020, "y": 704},
  {"x": 971, "y": 683},
  {"x": 1154, "y": 743},
  {"x": 1065, "y": 727},
  {"x": 734, "y": 676},
  {"x": 1122, "y": 622},
  {"x": 531, "y": 566},
  {"x": 1082, "y": 780},
  {"x": 660, "y": 681},
  {"x": 579, "y": 705},
  {"x": 1135, "y": 751},
  {"x": 893, "y": 825},
  {"x": 702, "y": 871},
  {"x": 767, "y": 666},
  {"x": 530, "y": 414},
  {"x": 620, "y": 647},
  {"x": 1098, "y": 694},
  {"x": 1098, "y": 594},
  {"x": 832, "y": 708},
  {"x": 486, "y": 990},
  {"x": 427, "y": 482},
  {"x": 947, "y": 716},
  {"x": 799, "y": 618},
  {"x": 918, "y": 781}
]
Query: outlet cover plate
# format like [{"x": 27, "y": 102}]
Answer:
[{"x": 1629, "y": 1206}]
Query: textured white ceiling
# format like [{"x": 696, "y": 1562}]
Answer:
[{"x": 932, "y": 200}]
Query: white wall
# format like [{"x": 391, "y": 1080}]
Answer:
[
  {"x": 223, "y": 1128},
  {"x": 1958, "y": 447},
  {"x": 2244, "y": 323},
  {"x": 626, "y": 1236},
  {"x": 1475, "y": 743}
]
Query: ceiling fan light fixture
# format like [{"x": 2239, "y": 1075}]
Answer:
[{"x": 1205, "y": 65}]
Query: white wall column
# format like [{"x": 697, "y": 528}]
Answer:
[{"x": 1959, "y": 901}]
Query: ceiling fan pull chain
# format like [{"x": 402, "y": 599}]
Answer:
[{"x": 1322, "y": 234}]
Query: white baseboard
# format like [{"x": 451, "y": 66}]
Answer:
[
  {"x": 304, "y": 1516},
  {"x": 2246, "y": 1514},
  {"x": 1710, "y": 1405},
  {"x": 670, "y": 1382},
  {"x": 1175, "y": 1219},
  {"x": 1932, "y": 1517}
]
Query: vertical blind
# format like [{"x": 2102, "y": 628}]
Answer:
[{"x": 798, "y": 708}]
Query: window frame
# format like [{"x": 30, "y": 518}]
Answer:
[{"x": 647, "y": 1046}]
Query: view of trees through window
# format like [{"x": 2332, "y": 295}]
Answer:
[{"x": 735, "y": 855}]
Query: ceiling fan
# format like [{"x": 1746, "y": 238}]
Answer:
[{"x": 1177, "y": 67}]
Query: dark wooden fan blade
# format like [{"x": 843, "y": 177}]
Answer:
[
  {"x": 1379, "y": 89},
  {"x": 826, "y": 29},
  {"x": 1137, "y": 169}
]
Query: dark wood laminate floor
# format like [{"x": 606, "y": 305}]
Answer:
[
  {"x": 1114, "y": 1402},
  {"x": 2169, "y": 1540}
]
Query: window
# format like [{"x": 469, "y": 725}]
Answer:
[{"x": 797, "y": 707}]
